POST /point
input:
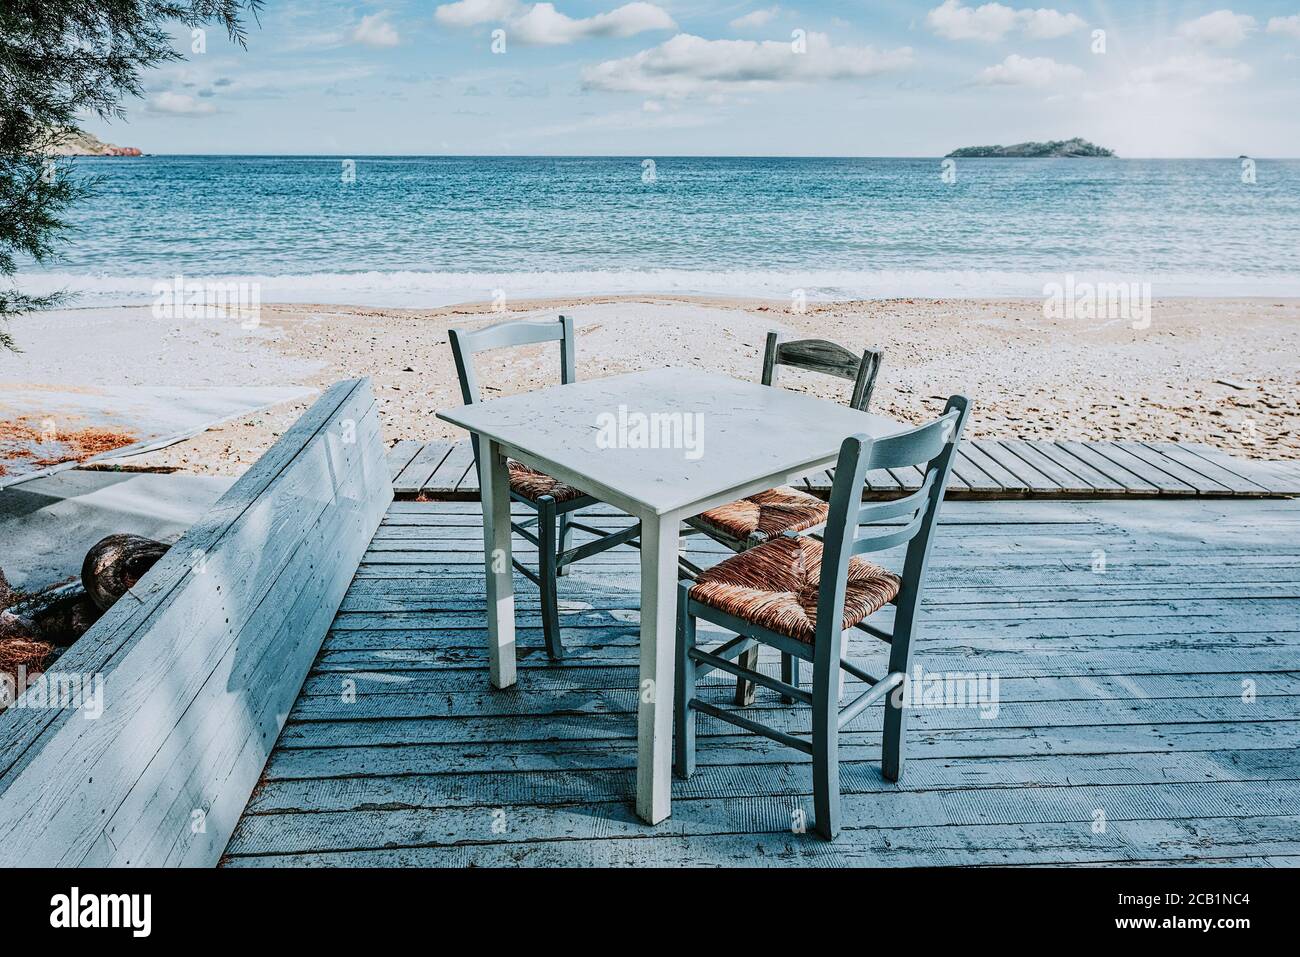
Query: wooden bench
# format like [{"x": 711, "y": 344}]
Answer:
[{"x": 200, "y": 663}]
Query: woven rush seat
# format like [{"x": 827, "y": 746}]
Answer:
[
  {"x": 533, "y": 484},
  {"x": 772, "y": 512},
  {"x": 775, "y": 586}
]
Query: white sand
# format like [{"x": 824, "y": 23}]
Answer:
[{"x": 1030, "y": 377}]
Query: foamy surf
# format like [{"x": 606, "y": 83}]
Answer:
[{"x": 409, "y": 289}]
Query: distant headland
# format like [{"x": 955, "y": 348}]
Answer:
[
  {"x": 1053, "y": 148},
  {"x": 79, "y": 143}
]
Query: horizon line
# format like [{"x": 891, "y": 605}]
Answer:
[{"x": 773, "y": 156}]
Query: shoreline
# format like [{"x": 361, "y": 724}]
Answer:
[
  {"x": 425, "y": 290},
  {"x": 1030, "y": 377}
]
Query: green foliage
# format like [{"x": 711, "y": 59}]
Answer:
[
  {"x": 59, "y": 60},
  {"x": 1053, "y": 148}
]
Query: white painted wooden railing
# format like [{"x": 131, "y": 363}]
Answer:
[{"x": 197, "y": 667}]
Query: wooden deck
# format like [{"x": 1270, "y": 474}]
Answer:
[
  {"x": 985, "y": 468},
  {"x": 1124, "y": 635}
]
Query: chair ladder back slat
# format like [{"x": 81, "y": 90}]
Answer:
[
  {"x": 909, "y": 506},
  {"x": 888, "y": 540},
  {"x": 827, "y": 358},
  {"x": 819, "y": 355},
  {"x": 917, "y": 447},
  {"x": 520, "y": 332}
]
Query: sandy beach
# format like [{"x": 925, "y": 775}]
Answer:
[{"x": 1219, "y": 371}]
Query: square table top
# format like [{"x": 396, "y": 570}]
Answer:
[{"x": 724, "y": 433}]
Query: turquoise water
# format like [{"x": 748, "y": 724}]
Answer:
[{"x": 429, "y": 230}]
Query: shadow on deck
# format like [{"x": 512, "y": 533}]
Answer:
[{"x": 1147, "y": 710}]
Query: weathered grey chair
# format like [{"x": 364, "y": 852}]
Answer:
[
  {"x": 753, "y": 520},
  {"x": 554, "y": 501},
  {"x": 765, "y": 595}
]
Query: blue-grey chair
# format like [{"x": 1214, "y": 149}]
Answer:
[
  {"x": 554, "y": 501},
  {"x": 765, "y": 596},
  {"x": 757, "y": 518}
]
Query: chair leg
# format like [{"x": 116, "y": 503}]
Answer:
[
  {"x": 789, "y": 674},
  {"x": 684, "y": 716},
  {"x": 566, "y": 542},
  {"x": 826, "y": 748},
  {"x": 745, "y": 689},
  {"x": 546, "y": 572},
  {"x": 891, "y": 757}
]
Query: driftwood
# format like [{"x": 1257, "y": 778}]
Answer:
[
  {"x": 60, "y": 615},
  {"x": 115, "y": 564},
  {"x": 32, "y": 627},
  {"x": 65, "y": 618}
]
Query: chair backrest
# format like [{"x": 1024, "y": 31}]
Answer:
[
  {"x": 850, "y": 525},
  {"x": 465, "y": 343},
  {"x": 828, "y": 358}
]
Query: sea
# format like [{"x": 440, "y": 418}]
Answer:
[{"x": 430, "y": 231}]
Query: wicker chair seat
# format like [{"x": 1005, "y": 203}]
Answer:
[
  {"x": 532, "y": 484},
  {"x": 774, "y": 585},
  {"x": 772, "y": 512}
]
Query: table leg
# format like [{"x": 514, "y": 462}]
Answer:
[
  {"x": 494, "y": 483},
  {"x": 658, "y": 653}
]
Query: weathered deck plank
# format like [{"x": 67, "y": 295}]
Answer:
[
  {"x": 1121, "y": 691},
  {"x": 985, "y": 468}
]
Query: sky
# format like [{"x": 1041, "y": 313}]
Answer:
[{"x": 739, "y": 77}]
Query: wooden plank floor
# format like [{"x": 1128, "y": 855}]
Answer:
[
  {"x": 1147, "y": 656},
  {"x": 1005, "y": 468}
]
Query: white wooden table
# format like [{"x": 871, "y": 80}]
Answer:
[{"x": 754, "y": 437}]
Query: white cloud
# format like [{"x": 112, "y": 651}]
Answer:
[
  {"x": 1222, "y": 28},
  {"x": 1197, "y": 69},
  {"x": 689, "y": 65},
  {"x": 1017, "y": 70},
  {"x": 179, "y": 104},
  {"x": 759, "y": 18},
  {"x": 470, "y": 13},
  {"x": 1045, "y": 24},
  {"x": 540, "y": 24},
  {"x": 1287, "y": 26},
  {"x": 993, "y": 21},
  {"x": 375, "y": 31},
  {"x": 955, "y": 22},
  {"x": 543, "y": 25}
]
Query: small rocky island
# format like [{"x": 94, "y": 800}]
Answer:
[
  {"x": 1053, "y": 148},
  {"x": 81, "y": 143}
]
